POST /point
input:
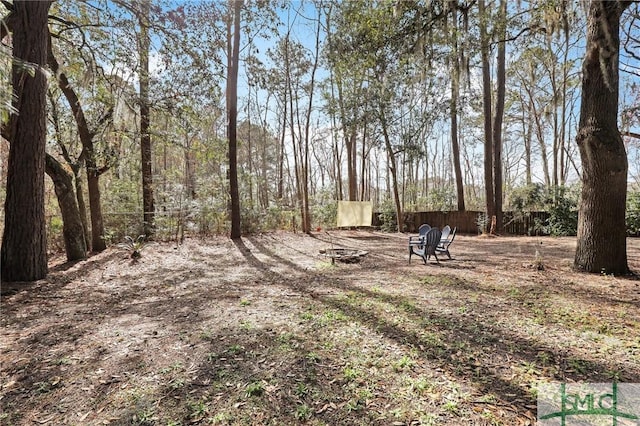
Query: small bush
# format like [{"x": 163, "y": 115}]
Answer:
[
  {"x": 55, "y": 238},
  {"x": 325, "y": 215},
  {"x": 633, "y": 214},
  {"x": 563, "y": 213},
  {"x": 560, "y": 202},
  {"x": 388, "y": 217},
  {"x": 250, "y": 220},
  {"x": 134, "y": 247},
  {"x": 277, "y": 218},
  {"x": 442, "y": 199}
]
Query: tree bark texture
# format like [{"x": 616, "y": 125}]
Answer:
[
  {"x": 232, "y": 115},
  {"x": 350, "y": 139},
  {"x": 72, "y": 227},
  {"x": 455, "y": 93},
  {"x": 82, "y": 207},
  {"x": 146, "y": 154},
  {"x": 66, "y": 180},
  {"x": 306, "y": 217},
  {"x": 501, "y": 77},
  {"x": 86, "y": 136},
  {"x": 486, "y": 102},
  {"x": 601, "y": 222},
  {"x": 24, "y": 244},
  {"x": 352, "y": 174},
  {"x": 392, "y": 171}
]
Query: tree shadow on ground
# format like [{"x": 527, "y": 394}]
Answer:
[
  {"x": 220, "y": 361},
  {"x": 460, "y": 331}
]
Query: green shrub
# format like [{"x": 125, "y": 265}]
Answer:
[
  {"x": 524, "y": 200},
  {"x": 388, "y": 217},
  {"x": 276, "y": 217},
  {"x": 560, "y": 202},
  {"x": 325, "y": 215},
  {"x": 250, "y": 220},
  {"x": 563, "y": 212},
  {"x": 527, "y": 198},
  {"x": 55, "y": 238},
  {"x": 563, "y": 218},
  {"x": 442, "y": 199},
  {"x": 632, "y": 218}
]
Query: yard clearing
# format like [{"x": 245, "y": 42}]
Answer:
[{"x": 266, "y": 331}]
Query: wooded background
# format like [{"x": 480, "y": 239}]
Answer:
[{"x": 382, "y": 101}]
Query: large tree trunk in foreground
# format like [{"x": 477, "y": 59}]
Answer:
[
  {"x": 24, "y": 243},
  {"x": 601, "y": 225}
]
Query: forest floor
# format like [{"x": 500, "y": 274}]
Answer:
[{"x": 265, "y": 331}]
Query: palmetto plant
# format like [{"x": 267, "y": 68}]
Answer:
[{"x": 134, "y": 247}]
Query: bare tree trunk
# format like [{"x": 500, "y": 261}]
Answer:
[
  {"x": 499, "y": 113},
  {"x": 281, "y": 149},
  {"x": 338, "y": 166},
  {"x": 337, "y": 150},
  {"x": 306, "y": 224},
  {"x": 486, "y": 100},
  {"x": 556, "y": 137},
  {"x": 293, "y": 110},
  {"x": 455, "y": 146},
  {"x": 425, "y": 162},
  {"x": 266, "y": 139},
  {"x": 352, "y": 185},
  {"x": 73, "y": 230},
  {"x": 82, "y": 205},
  {"x": 391, "y": 159},
  {"x": 66, "y": 182},
  {"x": 363, "y": 157},
  {"x": 233, "y": 45},
  {"x": 189, "y": 168},
  {"x": 537, "y": 118},
  {"x": 144, "y": 43},
  {"x": 95, "y": 207},
  {"x": 86, "y": 136},
  {"x": 565, "y": 78},
  {"x": 526, "y": 134},
  {"x": 602, "y": 235},
  {"x": 350, "y": 135},
  {"x": 250, "y": 149},
  {"x": 23, "y": 255}
]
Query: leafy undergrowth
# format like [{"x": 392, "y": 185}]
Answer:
[{"x": 265, "y": 331}]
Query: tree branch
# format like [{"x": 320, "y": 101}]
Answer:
[
  {"x": 6, "y": 25},
  {"x": 108, "y": 114},
  {"x": 631, "y": 134},
  {"x": 522, "y": 31}
]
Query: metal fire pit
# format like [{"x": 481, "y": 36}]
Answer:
[{"x": 345, "y": 255}]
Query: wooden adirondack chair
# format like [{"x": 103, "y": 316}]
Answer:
[
  {"x": 418, "y": 239},
  {"x": 443, "y": 245},
  {"x": 428, "y": 247}
]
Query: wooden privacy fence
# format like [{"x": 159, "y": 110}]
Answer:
[{"x": 467, "y": 221}]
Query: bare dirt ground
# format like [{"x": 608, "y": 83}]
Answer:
[{"x": 265, "y": 331}]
